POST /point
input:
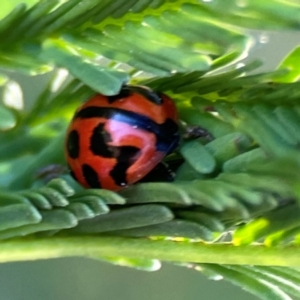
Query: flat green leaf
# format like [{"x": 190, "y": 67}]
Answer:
[
  {"x": 215, "y": 126},
  {"x": 131, "y": 217},
  {"x": 97, "y": 205},
  {"x": 54, "y": 196},
  {"x": 289, "y": 119},
  {"x": 156, "y": 192},
  {"x": 206, "y": 220},
  {"x": 81, "y": 211},
  {"x": 186, "y": 172},
  {"x": 290, "y": 63},
  {"x": 291, "y": 275},
  {"x": 61, "y": 186},
  {"x": 17, "y": 11},
  {"x": 228, "y": 146},
  {"x": 265, "y": 275},
  {"x": 37, "y": 199},
  {"x": 50, "y": 220},
  {"x": 272, "y": 222},
  {"x": 198, "y": 157},
  {"x": 242, "y": 162},
  {"x": 260, "y": 288},
  {"x": 37, "y": 11},
  {"x": 174, "y": 228},
  {"x": 16, "y": 215},
  {"x": 268, "y": 138},
  {"x": 107, "y": 196},
  {"x": 289, "y": 286},
  {"x": 265, "y": 15},
  {"x": 14, "y": 5},
  {"x": 101, "y": 79},
  {"x": 266, "y": 114}
]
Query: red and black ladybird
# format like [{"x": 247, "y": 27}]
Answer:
[{"x": 114, "y": 141}]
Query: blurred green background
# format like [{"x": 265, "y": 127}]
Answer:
[
  {"x": 90, "y": 280},
  {"x": 78, "y": 278}
]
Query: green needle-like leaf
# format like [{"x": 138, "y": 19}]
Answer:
[
  {"x": 198, "y": 157},
  {"x": 98, "y": 78},
  {"x": 229, "y": 203}
]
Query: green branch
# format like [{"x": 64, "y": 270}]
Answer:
[{"x": 179, "y": 251}]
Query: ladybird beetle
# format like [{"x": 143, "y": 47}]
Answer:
[{"x": 114, "y": 141}]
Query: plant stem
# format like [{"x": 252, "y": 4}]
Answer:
[{"x": 179, "y": 251}]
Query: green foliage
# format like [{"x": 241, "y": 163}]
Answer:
[{"x": 235, "y": 198}]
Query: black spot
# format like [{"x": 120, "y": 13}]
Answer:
[
  {"x": 152, "y": 96},
  {"x": 128, "y": 90},
  {"x": 118, "y": 173},
  {"x": 168, "y": 138},
  {"x": 99, "y": 140},
  {"x": 124, "y": 93},
  {"x": 127, "y": 156},
  {"x": 169, "y": 127},
  {"x": 95, "y": 112},
  {"x": 91, "y": 176},
  {"x": 73, "y": 144}
]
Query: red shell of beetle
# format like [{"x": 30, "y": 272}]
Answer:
[{"x": 114, "y": 141}]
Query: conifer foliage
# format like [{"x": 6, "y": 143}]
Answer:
[{"x": 233, "y": 208}]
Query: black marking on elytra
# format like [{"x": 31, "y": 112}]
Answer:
[
  {"x": 99, "y": 140},
  {"x": 73, "y": 144},
  {"x": 167, "y": 134},
  {"x": 125, "y": 155},
  {"x": 126, "y": 91},
  {"x": 152, "y": 96},
  {"x": 91, "y": 176}
]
